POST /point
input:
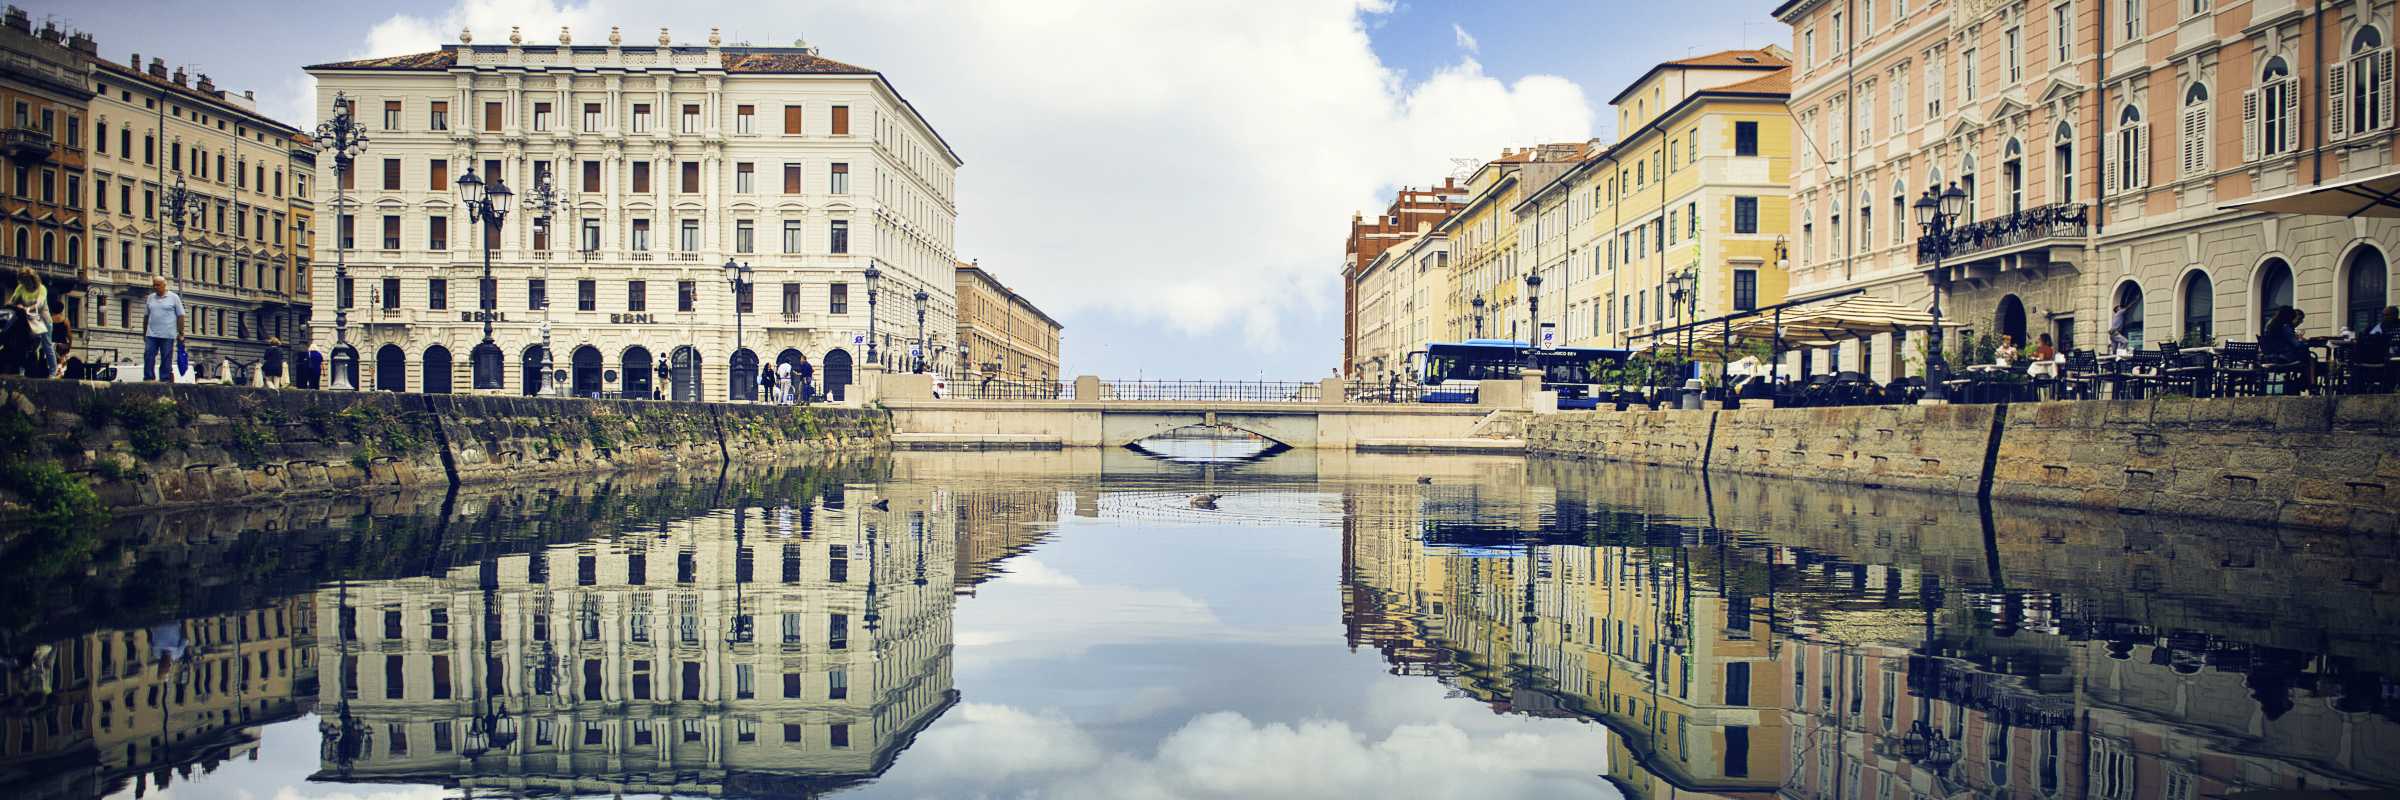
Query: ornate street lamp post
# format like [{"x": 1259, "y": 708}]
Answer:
[
  {"x": 737, "y": 276},
  {"x": 1533, "y": 314},
  {"x": 488, "y": 207},
  {"x": 543, "y": 202},
  {"x": 346, "y": 139},
  {"x": 1478, "y": 304},
  {"x": 873, "y": 276},
  {"x": 183, "y": 208},
  {"x": 1937, "y": 215},
  {"x": 917, "y": 358}
]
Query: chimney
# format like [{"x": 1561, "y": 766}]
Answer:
[
  {"x": 248, "y": 94},
  {"x": 51, "y": 34},
  {"x": 158, "y": 68},
  {"x": 207, "y": 85},
  {"x": 81, "y": 42},
  {"x": 18, "y": 21},
  {"x": 181, "y": 78}
]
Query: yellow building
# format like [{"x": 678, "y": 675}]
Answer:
[
  {"x": 1484, "y": 242},
  {"x": 1684, "y": 213},
  {"x": 1001, "y": 334}
]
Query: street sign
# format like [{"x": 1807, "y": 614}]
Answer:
[{"x": 858, "y": 338}]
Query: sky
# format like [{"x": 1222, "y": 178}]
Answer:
[{"x": 1170, "y": 179}]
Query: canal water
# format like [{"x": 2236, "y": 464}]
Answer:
[{"x": 1194, "y": 621}]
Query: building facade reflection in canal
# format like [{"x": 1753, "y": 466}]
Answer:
[
  {"x": 779, "y": 649},
  {"x": 1748, "y": 665}
]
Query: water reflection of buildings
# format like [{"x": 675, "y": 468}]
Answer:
[
  {"x": 781, "y": 650},
  {"x": 1747, "y": 666},
  {"x": 87, "y": 715}
]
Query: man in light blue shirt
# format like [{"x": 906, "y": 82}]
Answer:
[{"x": 161, "y": 329}]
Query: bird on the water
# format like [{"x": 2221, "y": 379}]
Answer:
[{"x": 1205, "y": 502}]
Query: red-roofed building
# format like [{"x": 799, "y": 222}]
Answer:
[{"x": 1370, "y": 236}]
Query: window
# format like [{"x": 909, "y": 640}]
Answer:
[
  {"x": 391, "y": 174},
  {"x": 2199, "y": 309},
  {"x": 437, "y": 294},
  {"x": 2195, "y": 130},
  {"x": 391, "y": 294},
  {"x": 591, "y": 177},
  {"x": 2363, "y": 290},
  {"x": 687, "y": 236},
  {"x": 791, "y": 564},
  {"x": 587, "y": 295},
  {"x": 641, "y": 236},
  {"x": 437, "y": 233},
  {"x": 637, "y": 296},
  {"x": 791, "y": 120},
  {"x": 745, "y": 178},
  {"x": 687, "y": 294},
  {"x": 745, "y": 118},
  {"x": 641, "y": 177},
  {"x": 745, "y": 235},
  {"x": 440, "y": 116},
  {"x": 791, "y": 236},
  {"x": 1745, "y": 138},
  {"x": 2127, "y": 151},
  {"x": 1966, "y": 76},
  {"x": 838, "y": 239},
  {"x": 1808, "y": 47},
  {"x": 437, "y": 175},
  {"x": 2062, "y": 165},
  {"x": 537, "y": 294},
  {"x": 841, "y": 120},
  {"x": 641, "y": 118},
  {"x": 541, "y": 116},
  {"x": 2361, "y": 96},
  {"x": 391, "y": 115},
  {"x": 2131, "y": 12},
  {"x": 1899, "y": 101},
  {"x": 690, "y": 179},
  {"x": 491, "y": 117},
  {"x": 839, "y": 302},
  {"x": 1934, "y": 88},
  {"x": 591, "y": 117},
  {"x": 2270, "y": 113},
  {"x": 2062, "y": 33},
  {"x": 591, "y": 235},
  {"x": 2012, "y": 174},
  {"x": 2014, "y": 39},
  {"x": 1745, "y": 289},
  {"x": 839, "y": 183},
  {"x": 391, "y": 232},
  {"x": 791, "y": 178},
  {"x": 691, "y": 118}
]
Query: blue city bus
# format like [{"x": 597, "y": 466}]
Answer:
[{"x": 1450, "y": 369}]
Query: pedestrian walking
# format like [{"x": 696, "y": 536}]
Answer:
[
  {"x": 808, "y": 380},
  {"x": 270, "y": 368},
  {"x": 162, "y": 331},
  {"x": 312, "y": 369},
  {"x": 766, "y": 386},
  {"x": 658, "y": 384},
  {"x": 783, "y": 382},
  {"x": 62, "y": 337}
]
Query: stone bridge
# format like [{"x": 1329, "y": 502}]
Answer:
[{"x": 920, "y": 421}]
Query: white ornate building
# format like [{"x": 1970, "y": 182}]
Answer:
[{"x": 668, "y": 161}]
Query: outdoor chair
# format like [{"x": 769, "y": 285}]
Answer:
[
  {"x": 2192, "y": 374},
  {"x": 2361, "y": 373},
  {"x": 2081, "y": 377},
  {"x": 2134, "y": 375},
  {"x": 2239, "y": 373}
]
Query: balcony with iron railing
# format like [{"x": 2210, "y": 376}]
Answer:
[
  {"x": 25, "y": 145},
  {"x": 2058, "y": 222}
]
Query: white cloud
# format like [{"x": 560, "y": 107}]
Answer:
[
  {"x": 1466, "y": 41},
  {"x": 1198, "y": 162}
]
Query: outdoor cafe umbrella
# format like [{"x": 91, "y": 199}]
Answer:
[{"x": 1838, "y": 321}]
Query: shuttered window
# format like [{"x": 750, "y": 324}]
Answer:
[
  {"x": 791, "y": 179},
  {"x": 391, "y": 174},
  {"x": 691, "y": 177},
  {"x": 491, "y": 116},
  {"x": 439, "y": 175},
  {"x": 791, "y": 120},
  {"x": 841, "y": 120},
  {"x": 641, "y": 177},
  {"x": 591, "y": 176}
]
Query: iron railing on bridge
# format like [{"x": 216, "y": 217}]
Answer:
[
  {"x": 1192, "y": 391},
  {"x": 998, "y": 389}
]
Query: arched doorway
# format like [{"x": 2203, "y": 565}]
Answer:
[
  {"x": 741, "y": 383},
  {"x": 836, "y": 376},
  {"x": 486, "y": 362},
  {"x": 2199, "y": 309},
  {"x": 683, "y": 378},
  {"x": 391, "y": 369},
  {"x": 633, "y": 373},
  {"x": 587, "y": 370},
  {"x": 530, "y": 369},
  {"x": 2363, "y": 289},
  {"x": 2274, "y": 291},
  {"x": 437, "y": 370},
  {"x": 2129, "y": 297},
  {"x": 2011, "y": 319}
]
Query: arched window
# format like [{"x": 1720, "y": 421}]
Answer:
[
  {"x": 2273, "y": 111},
  {"x": 1900, "y": 216},
  {"x": 2012, "y": 174},
  {"x": 2274, "y": 287},
  {"x": 2195, "y": 130},
  {"x": 1808, "y": 236},
  {"x": 2129, "y": 295},
  {"x": 1866, "y": 220},
  {"x": 2062, "y": 163},
  {"x": 2362, "y": 86},
  {"x": 1966, "y": 183},
  {"x": 2199, "y": 309},
  {"x": 2363, "y": 289},
  {"x": 2129, "y": 152}
]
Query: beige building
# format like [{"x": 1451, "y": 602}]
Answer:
[
  {"x": 669, "y": 160},
  {"x": 1001, "y": 334},
  {"x": 240, "y": 257},
  {"x": 2149, "y": 156},
  {"x": 798, "y": 646},
  {"x": 1490, "y": 256}
]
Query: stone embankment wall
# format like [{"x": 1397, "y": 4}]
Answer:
[
  {"x": 2329, "y": 463},
  {"x": 145, "y": 445}
]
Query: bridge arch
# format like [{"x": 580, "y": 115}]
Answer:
[{"x": 1125, "y": 428}]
